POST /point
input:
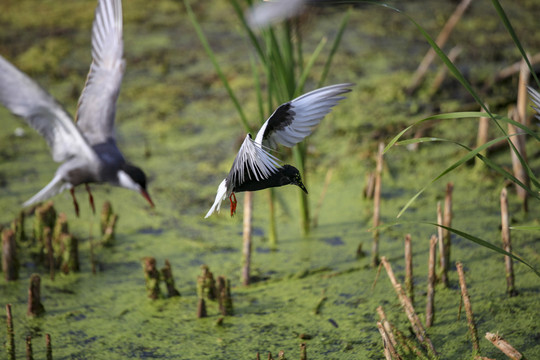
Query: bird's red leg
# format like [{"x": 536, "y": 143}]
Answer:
[
  {"x": 232, "y": 198},
  {"x": 75, "y": 204},
  {"x": 91, "y": 198}
]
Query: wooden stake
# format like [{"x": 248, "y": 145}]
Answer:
[
  {"x": 246, "y": 247},
  {"x": 10, "y": 345},
  {"x": 409, "y": 285},
  {"x": 389, "y": 350},
  {"x": 443, "y": 269},
  {"x": 468, "y": 307},
  {"x": 10, "y": 263},
  {"x": 431, "y": 281},
  {"x": 440, "y": 41},
  {"x": 507, "y": 244},
  {"x": 504, "y": 346},
  {"x": 35, "y": 307},
  {"x": 377, "y": 207},
  {"x": 409, "y": 309}
]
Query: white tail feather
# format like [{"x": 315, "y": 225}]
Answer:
[{"x": 220, "y": 196}]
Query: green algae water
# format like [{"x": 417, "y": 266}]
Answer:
[{"x": 175, "y": 120}]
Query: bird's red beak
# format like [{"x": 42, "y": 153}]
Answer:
[{"x": 147, "y": 197}]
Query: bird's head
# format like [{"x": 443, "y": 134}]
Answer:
[
  {"x": 131, "y": 177},
  {"x": 293, "y": 175}
]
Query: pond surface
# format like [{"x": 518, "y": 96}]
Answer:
[{"x": 176, "y": 121}]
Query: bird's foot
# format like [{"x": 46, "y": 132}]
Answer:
[
  {"x": 232, "y": 198},
  {"x": 75, "y": 203},
  {"x": 91, "y": 198}
]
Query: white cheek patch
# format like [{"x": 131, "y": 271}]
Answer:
[{"x": 127, "y": 182}]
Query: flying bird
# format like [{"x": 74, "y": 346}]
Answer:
[
  {"x": 254, "y": 168},
  {"x": 87, "y": 147}
]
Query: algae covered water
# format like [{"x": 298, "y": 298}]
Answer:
[{"x": 175, "y": 120}]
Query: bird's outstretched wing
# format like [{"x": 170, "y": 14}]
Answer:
[
  {"x": 535, "y": 97},
  {"x": 294, "y": 120},
  {"x": 97, "y": 104},
  {"x": 251, "y": 162},
  {"x": 24, "y": 98}
]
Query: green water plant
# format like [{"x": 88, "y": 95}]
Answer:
[{"x": 280, "y": 68}]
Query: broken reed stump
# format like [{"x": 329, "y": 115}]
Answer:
[
  {"x": 166, "y": 274},
  {"x": 48, "y": 346},
  {"x": 398, "y": 339},
  {"x": 246, "y": 244},
  {"x": 151, "y": 276},
  {"x": 507, "y": 244},
  {"x": 431, "y": 281},
  {"x": 443, "y": 272},
  {"x": 17, "y": 225},
  {"x": 518, "y": 142},
  {"x": 206, "y": 285},
  {"x": 10, "y": 262},
  {"x": 50, "y": 258},
  {"x": 409, "y": 284},
  {"x": 522, "y": 96},
  {"x": 70, "y": 253},
  {"x": 224, "y": 296},
  {"x": 447, "y": 221},
  {"x": 377, "y": 207},
  {"x": 303, "y": 351},
  {"x": 468, "y": 307},
  {"x": 61, "y": 227},
  {"x": 201, "y": 308},
  {"x": 108, "y": 235},
  {"x": 29, "y": 354},
  {"x": 35, "y": 307},
  {"x": 10, "y": 344},
  {"x": 409, "y": 309},
  {"x": 44, "y": 216},
  {"x": 504, "y": 346},
  {"x": 389, "y": 350}
]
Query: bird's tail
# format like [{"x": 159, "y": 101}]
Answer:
[
  {"x": 55, "y": 186},
  {"x": 220, "y": 196}
]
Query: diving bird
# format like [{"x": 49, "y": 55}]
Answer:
[
  {"x": 254, "y": 168},
  {"x": 87, "y": 147}
]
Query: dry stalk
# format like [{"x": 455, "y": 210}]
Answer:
[
  {"x": 246, "y": 245},
  {"x": 516, "y": 67},
  {"x": 10, "y": 263},
  {"x": 447, "y": 221},
  {"x": 431, "y": 281},
  {"x": 522, "y": 97},
  {"x": 442, "y": 248},
  {"x": 468, "y": 307},
  {"x": 409, "y": 309},
  {"x": 504, "y": 346},
  {"x": 35, "y": 307},
  {"x": 10, "y": 344},
  {"x": 387, "y": 326},
  {"x": 507, "y": 244},
  {"x": 409, "y": 285},
  {"x": 519, "y": 172},
  {"x": 481, "y": 138},
  {"x": 29, "y": 352},
  {"x": 377, "y": 207},
  {"x": 441, "y": 40},
  {"x": 389, "y": 350},
  {"x": 48, "y": 346},
  {"x": 443, "y": 71}
]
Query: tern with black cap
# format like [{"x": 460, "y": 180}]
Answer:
[
  {"x": 254, "y": 168},
  {"x": 87, "y": 148}
]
